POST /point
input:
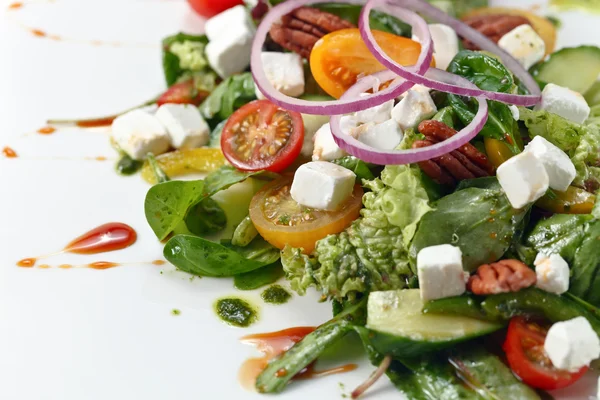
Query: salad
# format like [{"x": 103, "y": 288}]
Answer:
[{"x": 430, "y": 167}]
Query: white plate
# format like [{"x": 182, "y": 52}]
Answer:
[{"x": 86, "y": 334}]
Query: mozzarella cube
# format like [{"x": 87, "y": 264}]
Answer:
[
  {"x": 440, "y": 272},
  {"x": 326, "y": 149},
  {"x": 445, "y": 44},
  {"x": 559, "y": 166},
  {"x": 564, "y": 102},
  {"x": 285, "y": 71},
  {"x": 138, "y": 133},
  {"x": 322, "y": 185},
  {"x": 524, "y": 44},
  {"x": 572, "y": 344},
  {"x": 230, "y": 54},
  {"x": 234, "y": 21},
  {"x": 184, "y": 124},
  {"x": 524, "y": 179},
  {"x": 415, "y": 107},
  {"x": 383, "y": 136},
  {"x": 552, "y": 273},
  {"x": 377, "y": 114}
]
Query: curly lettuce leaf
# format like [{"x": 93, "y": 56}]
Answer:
[{"x": 372, "y": 253}]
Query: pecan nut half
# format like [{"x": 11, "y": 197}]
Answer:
[
  {"x": 493, "y": 26},
  {"x": 466, "y": 162},
  {"x": 303, "y": 27},
  {"x": 501, "y": 277}
]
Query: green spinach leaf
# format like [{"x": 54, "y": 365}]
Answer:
[
  {"x": 259, "y": 277},
  {"x": 230, "y": 95},
  {"x": 202, "y": 257},
  {"x": 585, "y": 269},
  {"x": 359, "y": 167},
  {"x": 205, "y": 218},
  {"x": 479, "y": 220}
]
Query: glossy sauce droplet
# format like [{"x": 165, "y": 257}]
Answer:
[
  {"x": 9, "y": 153},
  {"x": 37, "y": 32},
  {"x": 47, "y": 130},
  {"x": 15, "y": 6},
  {"x": 26, "y": 262},
  {"x": 103, "y": 265},
  {"x": 107, "y": 237},
  {"x": 159, "y": 262}
]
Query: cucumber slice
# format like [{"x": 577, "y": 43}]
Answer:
[
  {"x": 400, "y": 328},
  {"x": 574, "y": 67}
]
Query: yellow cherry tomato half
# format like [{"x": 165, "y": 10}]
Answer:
[
  {"x": 497, "y": 151},
  {"x": 281, "y": 221},
  {"x": 184, "y": 162},
  {"x": 573, "y": 201},
  {"x": 339, "y": 58},
  {"x": 541, "y": 25}
]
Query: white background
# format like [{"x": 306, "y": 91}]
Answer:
[{"x": 86, "y": 334}]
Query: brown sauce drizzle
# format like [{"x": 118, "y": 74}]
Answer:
[{"x": 46, "y": 130}]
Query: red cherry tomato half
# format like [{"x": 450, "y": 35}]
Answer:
[
  {"x": 210, "y": 8},
  {"x": 261, "y": 135},
  {"x": 524, "y": 348},
  {"x": 182, "y": 93}
]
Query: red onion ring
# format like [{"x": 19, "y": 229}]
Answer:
[
  {"x": 381, "y": 157},
  {"x": 462, "y": 29},
  {"x": 345, "y": 105}
]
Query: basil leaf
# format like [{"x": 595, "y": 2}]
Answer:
[
  {"x": 259, "y": 277},
  {"x": 202, "y": 257}
]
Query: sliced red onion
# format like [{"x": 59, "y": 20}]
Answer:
[
  {"x": 381, "y": 157},
  {"x": 394, "y": 7},
  {"x": 347, "y": 104}
]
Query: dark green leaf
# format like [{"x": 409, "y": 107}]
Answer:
[
  {"x": 487, "y": 72},
  {"x": 585, "y": 276},
  {"x": 202, "y": 257},
  {"x": 258, "y": 278},
  {"x": 231, "y": 94},
  {"x": 479, "y": 220},
  {"x": 128, "y": 166},
  {"x": 359, "y": 167},
  {"x": 447, "y": 115},
  {"x": 205, "y": 218}
]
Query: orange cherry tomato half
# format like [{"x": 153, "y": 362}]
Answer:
[
  {"x": 524, "y": 348},
  {"x": 261, "y": 135},
  {"x": 282, "y": 221},
  {"x": 339, "y": 58}
]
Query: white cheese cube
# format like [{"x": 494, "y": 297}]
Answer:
[
  {"x": 564, "y": 102},
  {"x": 185, "y": 125},
  {"x": 233, "y": 21},
  {"x": 415, "y": 107},
  {"x": 559, "y": 166},
  {"x": 572, "y": 344},
  {"x": 524, "y": 179},
  {"x": 312, "y": 123},
  {"x": 377, "y": 114},
  {"x": 514, "y": 110},
  {"x": 383, "y": 136},
  {"x": 284, "y": 71},
  {"x": 326, "y": 149},
  {"x": 552, "y": 273},
  {"x": 445, "y": 44},
  {"x": 524, "y": 44},
  {"x": 138, "y": 133},
  {"x": 440, "y": 272},
  {"x": 230, "y": 54},
  {"x": 322, "y": 185}
]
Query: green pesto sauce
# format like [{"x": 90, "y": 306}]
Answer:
[
  {"x": 127, "y": 165},
  {"x": 236, "y": 312},
  {"x": 175, "y": 311},
  {"x": 586, "y": 5},
  {"x": 275, "y": 295}
]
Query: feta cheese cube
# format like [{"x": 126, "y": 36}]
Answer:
[
  {"x": 326, "y": 149},
  {"x": 285, "y": 71},
  {"x": 236, "y": 20},
  {"x": 377, "y": 114},
  {"x": 383, "y": 136},
  {"x": 552, "y": 273},
  {"x": 230, "y": 54},
  {"x": 559, "y": 166},
  {"x": 445, "y": 44},
  {"x": 440, "y": 272},
  {"x": 138, "y": 133},
  {"x": 184, "y": 124},
  {"x": 514, "y": 110},
  {"x": 524, "y": 44},
  {"x": 322, "y": 185},
  {"x": 415, "y": 107},
  {"x": 524, "y": 179},
  {"x": 564, "y": 102},
  {"x": 312, "y": 123},
  {"x": 572, "y": 344}
]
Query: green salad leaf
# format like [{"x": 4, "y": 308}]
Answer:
[
  {"x": 231, "y": 94},
  {"x": 360, "y": 168},
  {"x": 184, "y": 58},
  {"x": 201, "y": 257},
  {"x": 205, "y": 218},
  {"x": 478, "y": 219},
  {"x": 259, "y": 277},
  {"x": 371, "y": 254}
]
